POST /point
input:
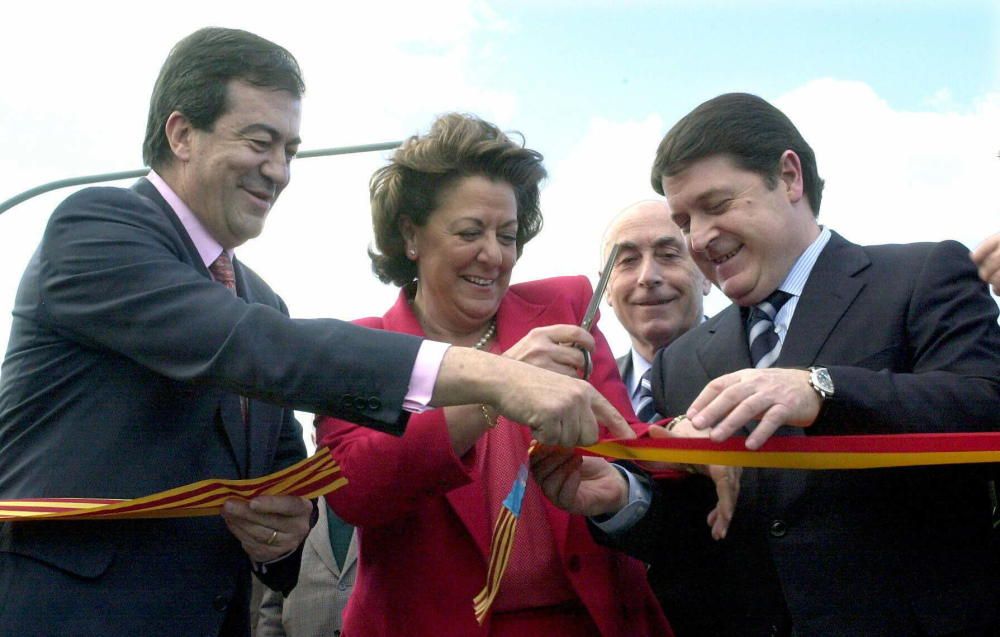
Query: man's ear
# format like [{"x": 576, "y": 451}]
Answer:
[
  {"x": 180, "y": 135},
  {"x": 790, "y": 174}
]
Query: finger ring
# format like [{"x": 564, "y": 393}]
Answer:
[{"x": 274, "y": 536}]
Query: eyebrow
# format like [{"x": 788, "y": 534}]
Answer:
[
  {"x": 480, "y": 221},
  {"x": 271, "y": 131},
  {"x": 668, "y": 241},
  {"x": 659, "y": 242},
  {"x": 712, "y": 194}
]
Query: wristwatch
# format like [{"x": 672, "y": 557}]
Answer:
[{"x": 819, "y": 379}]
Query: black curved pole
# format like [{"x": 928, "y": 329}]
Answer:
[{"x": 133, "y": 174}]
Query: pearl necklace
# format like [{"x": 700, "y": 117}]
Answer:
[
  {"x": 490, "y": 331},
  {"x": 480, "y": 344}
]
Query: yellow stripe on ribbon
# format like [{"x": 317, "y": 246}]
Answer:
[
  {"x": 503, "y": 542},
  {"x": 310, "y": 478},
  {"x": 782, "y": 452},
  {"x": 813, "y": 452}
]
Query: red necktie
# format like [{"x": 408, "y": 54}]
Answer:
[{"x": 222, "y": 271}]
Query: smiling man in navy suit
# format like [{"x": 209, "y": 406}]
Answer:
[{"x": 824, "y": 337}]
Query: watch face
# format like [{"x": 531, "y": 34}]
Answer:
[{"x": 821, "y": 378}]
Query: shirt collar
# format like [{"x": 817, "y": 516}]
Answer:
[
  {"x": 639, "y": 367},
  {"x": 208, "y": 248},
  {"x": 795, "y": 282}
]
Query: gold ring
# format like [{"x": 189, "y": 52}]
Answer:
[{"x": 274, "y": 536}]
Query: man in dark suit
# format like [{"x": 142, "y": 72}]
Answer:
[
  {"x": 143, "y": 356},
  {"x": 655, "y": 289},
  {"x": 861, "y": 340}
]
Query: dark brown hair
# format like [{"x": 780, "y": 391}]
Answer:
[
  {"x": 194, "y": 80},
  {"x": 745, "y": 128},
  {"x": 410, "y": 186}
]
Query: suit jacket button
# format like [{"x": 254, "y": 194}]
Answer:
[
  {"x": 778, "y": 528},
  {"x": 374, "y": 404},
  {"x": 220, "y": 603},
  {"x": 574, "y": 563},
  {"x": 360, "y": 403},
  {"x": 347, "y": 401}
]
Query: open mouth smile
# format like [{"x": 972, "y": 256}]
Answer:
[
  {"x": 481, "y": 282},
  {"x": 726, "y": 257}
]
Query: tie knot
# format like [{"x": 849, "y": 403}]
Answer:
[
  {"x": 765, "y": 345},
  {"x": 222, "y": 271},
  {"x": 646, "y": 380},
  {"x": 769, "y": 307}
]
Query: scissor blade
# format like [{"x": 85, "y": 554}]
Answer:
[{"x": 602, "y": 284}]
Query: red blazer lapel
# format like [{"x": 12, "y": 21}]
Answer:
[
  {"x": 469, "y": 501},
  {"x": 516, "y": 316}
]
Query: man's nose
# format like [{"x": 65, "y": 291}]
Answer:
[
  {"x": 277, "y": 168},
  {"x": 650, "y": 272},
  {"x": 700, "y": 235}
]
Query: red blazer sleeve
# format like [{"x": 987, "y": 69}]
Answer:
[{"x": 389, "y": 476}]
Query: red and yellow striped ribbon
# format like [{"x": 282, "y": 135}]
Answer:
[
  {"x": 502, "y": 543},
  {"x": 782, "y": 452},
  {"x": 310, "y": 478},
  {"x": 320, "y": 474},
  {"x": 812, "y": 452}
]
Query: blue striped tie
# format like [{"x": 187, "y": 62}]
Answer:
[
  {"x": 646, "y": 410},
  {"x": 765, "y": 346}
]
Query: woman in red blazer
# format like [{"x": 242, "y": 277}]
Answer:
[{"x": 451, "y": 213}]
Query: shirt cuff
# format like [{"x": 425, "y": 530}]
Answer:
[
  {"x": 261, "y": 567},
  {"x": 424, "y": 375},
  {"x": 628, "y": 516}
]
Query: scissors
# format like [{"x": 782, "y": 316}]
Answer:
[{"x": 595, "y": 303}]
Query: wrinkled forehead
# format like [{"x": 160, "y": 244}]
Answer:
[
  {"x": 641, "y": 227},
  {"x": 711, "y": 173}
]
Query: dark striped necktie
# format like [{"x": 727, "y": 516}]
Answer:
[
  {"x": 223, "y": 272},
  {"x": 646, "y": 409},
  {"x": 765, "y": 346}
]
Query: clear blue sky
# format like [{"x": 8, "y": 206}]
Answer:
[{"x": 575, "y": 61}]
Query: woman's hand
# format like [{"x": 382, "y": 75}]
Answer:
[
  {"x": 580, "y": 485},
  {"x": 555, "y": 348}
]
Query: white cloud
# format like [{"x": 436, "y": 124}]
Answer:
[
  {"x": 374, "y": 71},
  {"x": 900, "y": 176}
]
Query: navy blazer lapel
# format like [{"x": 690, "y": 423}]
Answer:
[
  {"x": 830, "y": 290},
  {"x": 260, "y": 432},
  {"x": 229, "y": 403},
  {"x": 726, "y": 349},
  {"x": 149, "y": 191}
]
